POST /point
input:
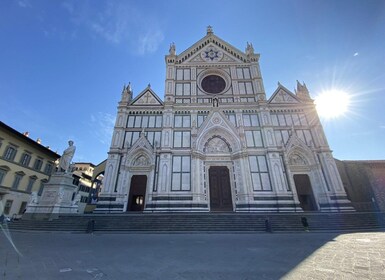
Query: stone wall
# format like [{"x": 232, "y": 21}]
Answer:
[{"x": 364, "y": 183}]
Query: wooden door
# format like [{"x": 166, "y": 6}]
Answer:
[{"x": 220, "y": 189}]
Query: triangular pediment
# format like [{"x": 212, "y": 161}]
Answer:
[
  {"x": 294, "y": 142},
  {"x": 217, "y": 125},
  {"x": 212, "y": 49},
  {"x": 298, "y": 153},
  {"x": 142, "y": 143},
  {"x": 283, "y": 96},
  {"x": 141, "y": 153},
  {"x": 147, "y": 97},
  {"x": 212, "y": 53}
]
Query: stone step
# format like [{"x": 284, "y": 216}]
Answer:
[{"x": 207, "y": 222}]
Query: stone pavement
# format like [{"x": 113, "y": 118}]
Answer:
[{"x": 232, "y": 256}]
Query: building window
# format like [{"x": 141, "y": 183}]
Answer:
[
  {"x": 243, "y": 73},
  {"x": 232, "y": 118},
  {"x": 25, "y": 159},
  {"x": 213, "y": 84},
  {"x": 10, "y": 153},
  {"x": 38, "y": 164},
  {"x": 183, "y": 89},
  {"x": 3, "y": 172},
  {"x": 16, "y": 182},
  {"x": 41, "y": 188},
  {"x": 182, "y": 121},
  {"x": 8, "y": 206},
  {"x": 183, "y": 74},
  {"x": 305, "y": 136},
  {"x": 289, "y": 119},
  {"x": 31, "y": 181},
  {"x": 144, "y": 121},
  {"x": 181, "y": 173},
  {"x": 254, "y": 138},
  {"x": 131, "y": 138},
  {"x": 250, "y": 120},
  {"x": 201, "y": 118},
  {"x": 48, "y": 168},
  {"x": 154, "y": 137},
  {"x": 245, "y": 88},
  {"x": 259, "y": 173},
  {"x": 23, "y": 206},
  {"x": 281, "y": 137},
  {"x": 182, "y": 139}
]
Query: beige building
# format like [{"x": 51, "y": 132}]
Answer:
[
  {"x": 25, "y": 165},
  {"x": 83, "y": 172}
]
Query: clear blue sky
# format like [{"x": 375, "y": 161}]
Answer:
[{"x": 63, "y": 63}]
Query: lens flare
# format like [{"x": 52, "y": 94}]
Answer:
[{"x": 332, "y": 104}]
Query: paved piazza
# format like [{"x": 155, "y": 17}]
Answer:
[{"x": 192, "y": 256}]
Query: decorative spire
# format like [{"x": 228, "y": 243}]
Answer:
[
  {"x": 128, "y": 88},
  {"x": 302, "y": 91},
  {"x": 127, "y": 93},
  {"x": 209, "y": 30}
]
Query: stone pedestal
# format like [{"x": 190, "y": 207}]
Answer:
[{"x": 55, "y": 200}]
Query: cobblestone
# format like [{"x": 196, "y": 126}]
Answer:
[{"x": 193, "y": 256}]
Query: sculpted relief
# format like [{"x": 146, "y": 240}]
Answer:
[
  {"x": 141, "y": 161},
  {"x": 297, "y": 159},
  {"x": 217, "y": 145}
]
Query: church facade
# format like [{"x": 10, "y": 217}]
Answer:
[{"x": 216, "y": 143}]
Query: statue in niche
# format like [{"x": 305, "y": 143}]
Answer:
[
  {"x": 217, "y": 145},
  {"x": 215, "y": 102}
]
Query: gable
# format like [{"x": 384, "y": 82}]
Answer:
[
  {"x": 212, "y": 54},
  {"x": 147, "y": 97},
  {"x": 212, "y": 49},
  {"x": 283, "y": 96}
]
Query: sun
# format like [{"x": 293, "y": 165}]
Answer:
[{"x": 332, "y": 103}]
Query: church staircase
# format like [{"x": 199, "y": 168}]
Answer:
[{"x": 207, "y": 222}]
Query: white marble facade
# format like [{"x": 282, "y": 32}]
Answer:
[{"x": 270, "y": 154}]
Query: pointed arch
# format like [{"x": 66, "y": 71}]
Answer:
[{"x": 217, "y": 125}]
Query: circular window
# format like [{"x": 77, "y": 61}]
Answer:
[{"x": 213, "y": 84}]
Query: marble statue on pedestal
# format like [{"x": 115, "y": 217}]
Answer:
[{"x": 65, "y": 160}]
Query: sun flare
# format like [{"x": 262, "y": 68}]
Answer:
[{"x": 332, "y": 104}]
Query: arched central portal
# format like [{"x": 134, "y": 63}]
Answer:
[
  {"x": 305, "y": 192},
  {"x": 220, "y": 189},
  {"x": 137, "y": 193}
]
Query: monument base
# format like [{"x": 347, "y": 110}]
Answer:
[{"x": 55, "y": 200}]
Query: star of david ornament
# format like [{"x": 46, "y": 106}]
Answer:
[{"x": 211, "y": 54}]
